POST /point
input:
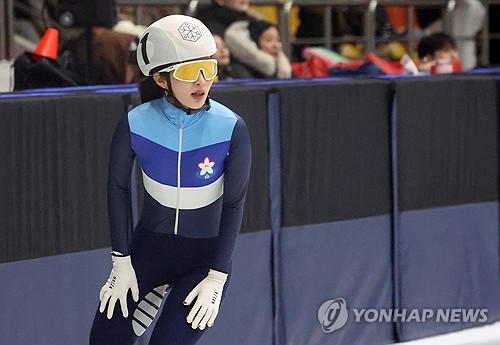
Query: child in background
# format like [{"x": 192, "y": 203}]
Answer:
[
  {"x": 438, "y": 54},
  {"x": 263, "y": 55}
]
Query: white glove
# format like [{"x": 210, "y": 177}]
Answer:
[
  {"x": 121, "y": 279},
  {"x": 208, "y": 295}
]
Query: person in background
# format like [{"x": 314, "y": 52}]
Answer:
[
  {"x": 220, "y": 16},
  {"x": 223, "y": 57},
  {"x": 222, "y": 13},
  {"x": 263, "y": 54},
  {"x": 438, "y": 48},
  {"x": 467, "y": 18}
]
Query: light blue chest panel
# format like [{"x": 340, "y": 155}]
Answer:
[{"x": 182, "y": 156}]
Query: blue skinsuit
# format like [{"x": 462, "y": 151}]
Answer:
[{"x": 189, "y": 221}]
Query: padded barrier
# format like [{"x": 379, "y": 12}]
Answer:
[
  {"x": 54, "y": 149},
  {"x": 335, "y": 151},
  {"x": 448, "y": 235},
  {"x": 47, "y": 301},
  {"x": 336, "y": 235},
  {"x": 250, "y": 102},
  {"x": 78, "y": 124},
  {"x": 338, "y": 228},
  {"x": 348, "y": 259},
  {"x": 52, "y": 299}
]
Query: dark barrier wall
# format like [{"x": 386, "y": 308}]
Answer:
[
  {"x": 376, "y": 192},
  {"x": 57, "y": 199},
  {"x": 447, "y": 144},
  {"x": 447, "y": 238},
  {"x": 335, "y": 151},
  {"x": 53, "y": 174},
  {"x": 247, "y": 318},
  {"x": 250, "y": 103},
  {"x": 336, "y": 235}
]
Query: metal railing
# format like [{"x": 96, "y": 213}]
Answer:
[
  {"x": 6, "y": 29},
  {"x": 284, "y": 7},
  {"x": 486, "y": 35}
]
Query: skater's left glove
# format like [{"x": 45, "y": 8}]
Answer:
[{"x": 208, "y": 295}]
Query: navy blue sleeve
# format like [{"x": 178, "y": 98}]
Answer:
[
  {"x": 121, "y": 161},
  {"x": 236, "y": 176}
]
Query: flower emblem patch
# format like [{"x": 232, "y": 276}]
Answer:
[{"x": 206, "y": 169}]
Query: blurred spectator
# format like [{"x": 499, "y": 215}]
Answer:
[
  {"x": 25, "y": 23},
  {"x": 112, "y": 49},
  {"x": 223, "y": 58},
  {"x": 229, "y": 19},
  {"x": 438, "y": 48},
  {"x": 467, "y": 19},
  {"x": 262, "y": 55},
  {"x": 114, "y": 57},
  {"x": 145, "y": 15},
  {"x": 222, "y": 13}
]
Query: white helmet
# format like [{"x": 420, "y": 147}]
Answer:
[{"x": 173, "y": 39}]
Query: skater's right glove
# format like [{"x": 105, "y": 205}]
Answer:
[{"x": 121, "y": 279}]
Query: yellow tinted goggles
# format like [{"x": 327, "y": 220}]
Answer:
[{"x": 189, "y": 71}]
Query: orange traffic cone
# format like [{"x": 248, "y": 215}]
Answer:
[{"x": 48, "y": 45}]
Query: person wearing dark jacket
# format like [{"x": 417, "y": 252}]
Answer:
[{"x": 221, "y": 13}]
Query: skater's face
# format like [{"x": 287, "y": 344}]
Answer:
[
  {"x": 190, "y": 81},
  {"x": 192, "y": 94}
]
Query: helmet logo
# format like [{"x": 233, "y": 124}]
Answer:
[
  {"x": 143, "y": 48},
  {"x": 189, "y": 32}
]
